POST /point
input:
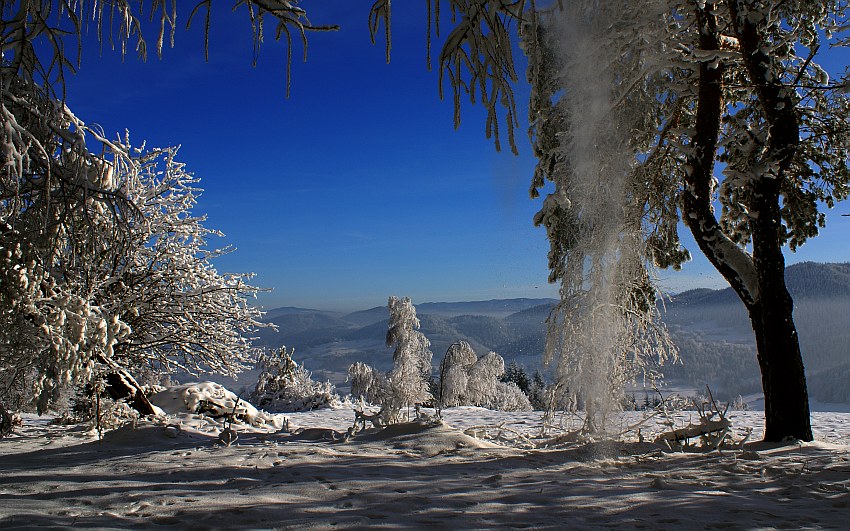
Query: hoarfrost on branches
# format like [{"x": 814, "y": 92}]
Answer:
[
  {"x": 407, "y": 384},
  {"x": 605, "y": 331},
  {"x": 466, "y": 379},
  {"x": 102, "y": 260},
  {"x": 285, "y": 386}
]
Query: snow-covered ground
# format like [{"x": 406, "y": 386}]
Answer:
[{"x": 172, "y": 474}]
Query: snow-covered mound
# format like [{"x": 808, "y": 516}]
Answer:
[
  {"x": 426, "y": 439},
  {"x": 213, "y": 400}
]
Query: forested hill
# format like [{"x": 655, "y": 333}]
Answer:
[
  {"x": 804, "y": 280},
  {"x": 710, "y": 327},
  {"x": 713, "y": 333}
]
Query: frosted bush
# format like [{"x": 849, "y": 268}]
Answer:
[
  {"x": 466, "y": 380},
  {"x": 483, "y": 377},
  {"x": 285, "y": 386},
  {"x": 454, "y": 374},
  {"x": 507, "y": 396}
]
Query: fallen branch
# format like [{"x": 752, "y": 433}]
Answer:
[
  {"x": 519, "y": 439},
  {"x": 713, "y": 429},
  {"x": 361, "y": 417}
]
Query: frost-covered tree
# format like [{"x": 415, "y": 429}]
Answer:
[
  {"x": 715, "y": 114},
  {"x": 483, "y": 378},
  {"x": 692, "y": 85},
  {"x": 454, "y": 374},
  {"x": 408, "y": 382},
  {"x": 181, "y": 311},
  {"x": 103, "y": 262},
  {"x": 92, "y": 267},
  {"x": 409, "y": 377}
]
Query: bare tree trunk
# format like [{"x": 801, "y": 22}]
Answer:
[{"x": 786, "y": 399}]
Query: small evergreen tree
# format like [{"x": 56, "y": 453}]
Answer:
[
  {"x": 515, "y": 373},
  {"x": 537, "y": 393}
]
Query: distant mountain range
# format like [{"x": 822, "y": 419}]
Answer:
[{"x": 710, "y": 327}]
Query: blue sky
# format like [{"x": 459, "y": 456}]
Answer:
[{"x": 357, "y": 187}]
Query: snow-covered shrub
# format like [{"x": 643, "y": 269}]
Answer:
[
  {"x": 483, "y": 377},
  {"x": 454, "y": 374},
  {"x": 284, "y": 386},
  {"x": 507, "y": 396},
  {"x": 466, "y": 380},
  {"x": 213, "y": 400}
]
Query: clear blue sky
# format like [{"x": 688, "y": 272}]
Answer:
[{"x": 357, "y": 187}]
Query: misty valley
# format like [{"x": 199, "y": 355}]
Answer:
[{"x": 710, "y": 328}]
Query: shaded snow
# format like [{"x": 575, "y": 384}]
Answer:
[{"x": 412, "y": 476}]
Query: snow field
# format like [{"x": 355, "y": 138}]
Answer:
[{"x": 412, "y": 477}]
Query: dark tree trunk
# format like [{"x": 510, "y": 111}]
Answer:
[
  {"x": 120, "y": 385},
  {"x": 783, "y": 376},
  {"x": 786, "y": 399},
  {"x": 5, "y": 421},
  {"x": 759, "y": 280}
]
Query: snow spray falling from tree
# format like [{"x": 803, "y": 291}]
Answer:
[{"x": 604, "y": 332}]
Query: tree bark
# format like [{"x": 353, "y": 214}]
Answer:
[
  {"x": 120, "y": 384},
  {"x": 759, "y": 280},
  {"x": 780, "y": 359}
]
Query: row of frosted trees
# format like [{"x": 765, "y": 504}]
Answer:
[{"x": 464, "y": 378}]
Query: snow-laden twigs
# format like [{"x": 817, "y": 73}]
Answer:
[
  {"x": 101, "y": 260},
  {"x": 501, "y": 434},
  {"x": 713, "y": 429},
  {"x": 35, "y": 35}
]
